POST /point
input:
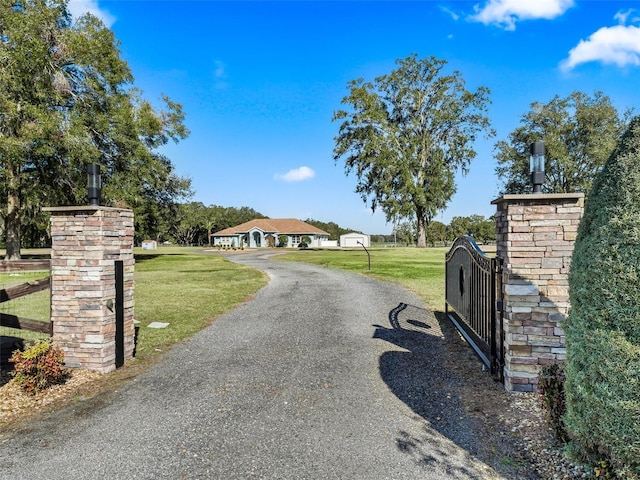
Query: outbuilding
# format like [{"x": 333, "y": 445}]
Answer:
[{"x": 354, "y": 239}]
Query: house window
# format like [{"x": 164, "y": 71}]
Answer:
[{"x": 295, "y": 240}]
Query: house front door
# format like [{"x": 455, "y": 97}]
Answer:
[{"x": 257, "y": 239}]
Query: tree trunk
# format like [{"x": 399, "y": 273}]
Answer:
[
  {"x": 13, "y": 220},
  {"x": 422, "y": 232}
]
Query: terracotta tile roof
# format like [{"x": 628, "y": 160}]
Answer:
[{"x": 274, "y": 225}]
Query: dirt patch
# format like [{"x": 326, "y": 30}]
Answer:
[{"x": 17, "y": 406}]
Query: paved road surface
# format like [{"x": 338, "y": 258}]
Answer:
[{"x": 317, "y": 377}]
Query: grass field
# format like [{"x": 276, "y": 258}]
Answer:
[{"x": 420, "y": 270}]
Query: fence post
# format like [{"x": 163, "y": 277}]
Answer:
[
  {"x": 86, "y": 244},
  {"x": 535, "y": 239}
]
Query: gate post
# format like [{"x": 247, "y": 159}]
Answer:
[
  {"x": 535, "y": 238},
  {"x": 87, "y": 242}
]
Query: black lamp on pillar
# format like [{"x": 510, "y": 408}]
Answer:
[
  {"x": 536, "y": 166},
  {"x": 94, "y": 183}
]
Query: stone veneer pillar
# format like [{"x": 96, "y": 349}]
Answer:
[
  {"x": 86, "y": 243},
  {"x": 535, "y": 238}
]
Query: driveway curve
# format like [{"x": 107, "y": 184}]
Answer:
[{"x": 322, "y": 375}]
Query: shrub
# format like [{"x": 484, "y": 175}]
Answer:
[
  {"x": 283, "y": 240},
  {"x": 551, "y": 384},
  {"x": 603, "y": 326},
  {"x": 38, "y": 367}
]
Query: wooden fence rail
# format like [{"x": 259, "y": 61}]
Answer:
[
  {"x": 22, "y": 290},
  {"x": 25, "y": 265}
]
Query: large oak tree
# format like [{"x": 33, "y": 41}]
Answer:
[
  {"x": 67, "y": 100},
  {"x": 406, "y": 134}
]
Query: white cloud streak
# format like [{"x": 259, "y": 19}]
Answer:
[
  {"x": 505, "y": 13},
  {"x": 219, "y": 75},
  {"x": 77, "y": 8},
  {"x": 296, "y": 175},
  {"x": 618, "y": 45},
  {"x": 220, "y": 72}
]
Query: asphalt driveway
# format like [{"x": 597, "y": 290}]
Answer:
[{"x": 323, "y": 375}]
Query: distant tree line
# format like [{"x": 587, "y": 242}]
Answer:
[
  {"x": 195, "y": 223},
  {"x": 333, "y": 229},
  {"x": 482, "y": 229}
]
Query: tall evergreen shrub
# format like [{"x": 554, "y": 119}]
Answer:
[{"x": 603, "y": 326}]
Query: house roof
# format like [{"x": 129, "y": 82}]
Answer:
[
  {"x": 274, "y": 225},
  {"x": 354, "y": 234}
]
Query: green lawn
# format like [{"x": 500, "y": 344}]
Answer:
[{"x": 420, "y": 270}]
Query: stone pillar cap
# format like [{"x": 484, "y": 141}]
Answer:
[
  {"x": 83, "y": 208},
  {"x": 532, "y": 197}
]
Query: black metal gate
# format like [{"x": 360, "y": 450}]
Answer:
[{"x": 473, "y": 300}]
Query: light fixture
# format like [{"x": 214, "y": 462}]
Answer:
[
  {"x": 94, "y": 183},
  {"x": 536, "y": 166}
]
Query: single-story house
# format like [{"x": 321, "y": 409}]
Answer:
[
  {"x": 265, "y": 232},
  {"x": 354, "y": 240}
]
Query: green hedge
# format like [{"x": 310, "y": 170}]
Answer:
[{"x": 603, "y": 326}]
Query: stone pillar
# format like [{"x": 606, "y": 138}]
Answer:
[
  {"x": 535, "y": 238},
  {"x": 86, "y": 243}
]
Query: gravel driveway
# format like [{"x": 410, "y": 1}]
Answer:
[{"x": 323, "y": 375}]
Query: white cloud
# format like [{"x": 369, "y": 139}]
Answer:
[
  {"x": 505, "y": 13},
  {"x": 618, "y": 45},
  {"x": 451, "y": 13},
  {"x": 296, "y": 175},
  {"x": 77, "y": 8},
  {"x": 220, "y": 75},
  {"x": 220, "y": 71}
]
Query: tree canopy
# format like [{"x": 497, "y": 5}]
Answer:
[
  {"x": 67, "y": 100},
  {"x": 406, "y": 134},
  {"x": 579, "y": 133}
]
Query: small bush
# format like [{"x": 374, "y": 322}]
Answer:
[
  {"x": 38, "y": 367},
  {"x": 551, "y": 384}
]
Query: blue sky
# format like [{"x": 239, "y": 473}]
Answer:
[{"x": 259, "y": 82}]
